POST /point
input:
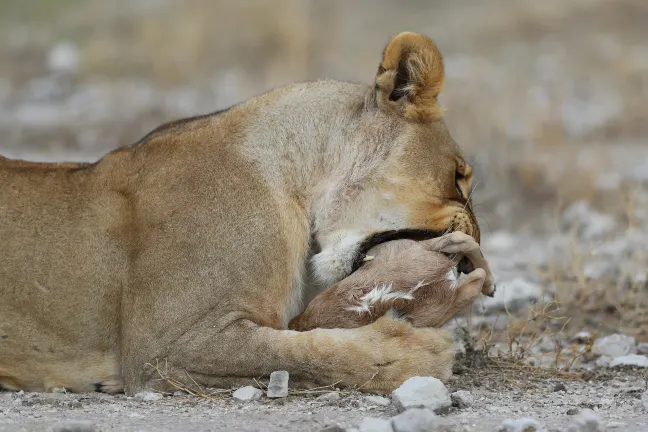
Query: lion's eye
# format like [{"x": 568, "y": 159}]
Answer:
[{"x": 457, "y": 178}]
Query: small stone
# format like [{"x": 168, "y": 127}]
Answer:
[
  {"x": 582, "y": 337},
  {"x": 615, "y": 345},
  {"x": 57, "y": 390},
  {"x": 573, "y": 411},
  {"x": 333, "y": 428},
  {"x": 422, "y": 392},
  {"x": 512, "y": 295},
  {"x": 644, "y": 400},
  {"x": 371, "y": 424},
  {"x": 63, "y": 57},
  {"x": 603, "y": 361},
  {"x": 247, "y": 394},
  {"x": 329, "y": 397},
  {"x": 378, "y": 400},
  {"x": 586, "y": 421},
  {"x": 179, "y": 393},
  {"x": 520, "y": 425},
  {"x": 616, "y": 424},
  {"x": 560, "y": 387},
  {"x": 630, "y": 360},
  {"x": 148, "y": 396},
  {"x": 74, "y": 426},
  {"x": 462, "y": 399},
  {"x": 415, "y": 420},
  {"x": 278, "y": 386},
  {"x": 642, "y": 348}
]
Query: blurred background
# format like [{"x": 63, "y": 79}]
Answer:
[{"x": 547, "y": 98}]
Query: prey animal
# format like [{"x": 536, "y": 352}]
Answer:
[{"x": 406, "y": 279}]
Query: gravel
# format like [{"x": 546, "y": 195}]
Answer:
[{"x": 422, "y": 392}]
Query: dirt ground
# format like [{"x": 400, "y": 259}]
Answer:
[
  {"x": 547, "y": 99},
  {"x": 615, "y": 396}
]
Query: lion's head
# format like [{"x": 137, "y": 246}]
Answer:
[{"x": 409, "y": 177}]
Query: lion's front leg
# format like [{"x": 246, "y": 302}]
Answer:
[{"x": 375, "y": 358}]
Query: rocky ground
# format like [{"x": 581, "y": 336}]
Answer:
[
  {"x": 485, "y": 399},
  {"x": 546, "y": 98}
]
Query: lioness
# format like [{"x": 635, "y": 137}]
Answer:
[
  {"x": 408, "y": 279},
  {"x": 194, "y": 246}
]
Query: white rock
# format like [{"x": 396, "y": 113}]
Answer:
[
  {"x": 64, "y": 57},
  {"x": 422, "y": 392},
  {"x": 371, "y": 424},
  {"x": 521, "y": 425},
  {"x": 598, "y": 268},
  {"x": 329, "y": 397},
  {"x": 500, "y": 241},
  {"x": 644, "y": 400},
  {"x": 630, "y": 360},
  {"x": 616, "y": 424},
  {"x": 148, "y": 396},
  {"x": 642, "y": 348},
  {"x": 513, "y": 295},
  {"x": 586, "y": 421},
  {"x": 278, "y": 385},
  {"x": 603, "y": 361},
  {"x": 615, "y": 345},
  {"x": 247, "y": 394},
  {"x": 378, "y": 400},
  {"x": 74, "y": 426},
  {"x": 462, "y": 399},
  {"x": 589, "y": 223},
  {"x": 415, "y": 420}
]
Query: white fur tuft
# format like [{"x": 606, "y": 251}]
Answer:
[{"x": 383, "y": 293}]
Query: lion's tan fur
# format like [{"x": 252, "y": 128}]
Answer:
[{"x": 193, "y": 246}]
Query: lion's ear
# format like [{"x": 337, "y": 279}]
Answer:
[{"x": 410, "y": 77}]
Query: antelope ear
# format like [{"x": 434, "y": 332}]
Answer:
[{"x": 410, "y": 77}]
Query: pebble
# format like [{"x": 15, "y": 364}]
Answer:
[
  {"x": 422, "y": 392},
  {"x": 616, "y": 424},
  {"x": 586, "y": 421},
  {"x": 248, "y": 394},
  {"x": 329, "y": 397},
  {"x": 378, "y": 400},
  {"x": 521, "y": 425},
  {"x": 371, "y": 424},
  {"x": 278, "y": 386},
  {"x": 642, "y": 348},
  {"x": 148, "y": 396},
  {"x": 334, "y": 428},
  {"x": 74, "y": 426},
  {"x": 603, "y": 361},
  {"x": 512, "y": 295},
  {"x": 462, "y": 399},
  {"x": 590, "y": 224},
  {"x": 615, "y": 345},
  {"x": 560, "y": 387},
  {"x": 415, "y": 420},
  {"x": 644, "y": 400},
  {"x": 630, "y": 360},
  {"x": 63, "y": 57}
]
